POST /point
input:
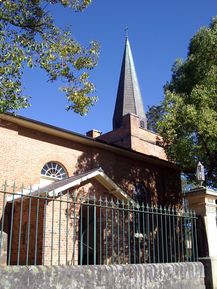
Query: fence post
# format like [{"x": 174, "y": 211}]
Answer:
[
  {"x": 3, "y": 225},
  {"x": 203, "y": 201}
]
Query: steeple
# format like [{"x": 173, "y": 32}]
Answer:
[{"x": 129, "y": 99}]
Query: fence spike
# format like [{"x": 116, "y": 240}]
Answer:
[
  {"x": 5, "y": 186},
  {"x": 112, "y": 202},
  {"x": 81, "y": 198},
  {"x": 128, "y": 204},
  {"x": 74, "y": 196},
  {"x": 123, "y": 203},
  {"x": 22, "y": 189},
  {"x": 88, "y": 197},
  {"x": 106, "y": 201},
  {"x": 30, "y": 190},
  {"x": 14, "y": 187}
]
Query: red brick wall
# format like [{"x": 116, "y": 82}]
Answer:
[
  {"x": 63, "y": 223},
  {"x": 25, "y": 151},
  {"x": 58, "y": 228},
  {"x": 22, "y": 227},
  {"x": 132, "y": 136},
  {"x": 23, "y": 154},
  {"x": 61, "y": 231}
]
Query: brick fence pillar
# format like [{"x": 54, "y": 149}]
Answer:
[{"x": 203, "y": 201}]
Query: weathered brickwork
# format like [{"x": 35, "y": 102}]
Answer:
[
  {"x": 24, "y": 152},
  {"x": 27, "y": 224},
  {"x": 132, "y": 136}
]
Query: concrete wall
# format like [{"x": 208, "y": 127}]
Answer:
[{"x": 143, "y": 276}]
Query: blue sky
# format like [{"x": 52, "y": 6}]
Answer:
[{"x": 159, "y": 33}]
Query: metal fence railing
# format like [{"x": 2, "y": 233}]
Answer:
[{"x": 70, "y": 228}]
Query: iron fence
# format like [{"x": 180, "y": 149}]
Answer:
[{"x": 82, "y": 229}]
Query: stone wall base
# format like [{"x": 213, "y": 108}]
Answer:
[
  {"x": 141, "y": 276},
  {"x": 4, "y": 241},
  {"x": 210, "y": 267}
]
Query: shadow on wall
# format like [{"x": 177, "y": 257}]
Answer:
[{"x": 148, "y": 183}]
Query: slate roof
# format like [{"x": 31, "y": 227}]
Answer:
[{"x": 129, "y": 99}]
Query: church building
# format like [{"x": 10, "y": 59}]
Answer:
[{"x": 126, "y": 164}]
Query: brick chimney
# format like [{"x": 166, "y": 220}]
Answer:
[{"x": 94, "y": 133}]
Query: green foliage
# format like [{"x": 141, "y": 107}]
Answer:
[
  {"x": 29, "y": 37},
  {"x": 154, "y": 115},
  {"x": 189, "y": 119}
]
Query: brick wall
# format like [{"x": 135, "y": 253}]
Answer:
[
  {"x": 48, "y": 230},
  {"x": 66, "y": 215},
  {"x": 132, "y": 136},
  {"x": 28, "y": 228},
  {"x": 24, "y": 152}
]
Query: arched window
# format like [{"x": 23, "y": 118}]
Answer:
[{"x": 54, "y": 170}]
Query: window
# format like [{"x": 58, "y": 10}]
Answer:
[
  {"x": 142, "y": 124},
  {"x": 141, "y": 194},
  {"x": 54, "y": 170}
]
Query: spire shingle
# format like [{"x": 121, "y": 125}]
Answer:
[{"x": 129, "y": 99}]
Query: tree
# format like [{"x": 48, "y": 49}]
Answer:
[
  {"x": 154, "y": 115},
  {"x": 189, "y": 119},
  {"x": 29, "y": 37}
]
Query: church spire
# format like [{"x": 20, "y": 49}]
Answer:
[{"x": 129, "y": 99}]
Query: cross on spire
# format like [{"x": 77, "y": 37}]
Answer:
[{"x": 126, "y": 31}]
